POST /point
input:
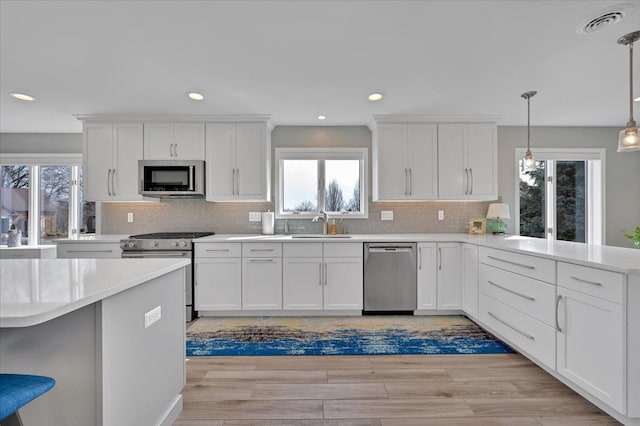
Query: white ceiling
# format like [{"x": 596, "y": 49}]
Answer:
[{"x": 298, "y": 59}]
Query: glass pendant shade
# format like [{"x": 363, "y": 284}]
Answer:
[
  {"x": 528, "y": 163},
  {"x": 628, "y": 140}
]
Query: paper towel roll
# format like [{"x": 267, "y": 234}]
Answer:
[{"x": 268, "y": 219}]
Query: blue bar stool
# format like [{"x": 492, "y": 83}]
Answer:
[{"x": 17, "y": 390}]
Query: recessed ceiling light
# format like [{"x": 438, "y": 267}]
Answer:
[
  {"x": 195, "y": 96},
  {"x": 322, "y": 117},
  {"x": 375, "y": 96},
  {"x": 23, "y": 96}
]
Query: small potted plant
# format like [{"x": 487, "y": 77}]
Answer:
[{"x": 634, "y": 238}]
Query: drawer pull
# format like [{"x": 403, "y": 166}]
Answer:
[
  {"x": 528, "y": 336},
  {"x": 557, "y": 307},
  {"x": 217, "y": 249},
  {"x": 586, "y": 281},
  {"x": 533, "y": 299},
  {"x": 89, "y": 251},
  {"x": 260, "y": 260},
  {"x": 261, "y": 249},
  {"x": 512, "y": 263}
]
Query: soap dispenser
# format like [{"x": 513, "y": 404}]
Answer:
[{"x": 333, "y": 230}]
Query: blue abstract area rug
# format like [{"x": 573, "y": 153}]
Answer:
[{"x": 366, "y": 335}]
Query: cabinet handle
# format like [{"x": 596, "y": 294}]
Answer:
[
  {"x": 558, "y": 307},
  {"x": 325, "y": 273},
  {"x": 113, "y": 182},
  {"x": 233, "y": 181},
  {"x": 512, "y": 263},
  {"x": 528, "y": 336},
  {"x": 406, "y": 176},
  {"x": 471, "y": 174},
  {"x": 586, "y": 281},
  {"x": 89, "y": 251},
  {"x": 261, "y": 260},
  {"x": 171, "y": 150},
  {"x": 466, "y": 182},
  {"x": 512, "y": 291},
  {"x": 109, "y": 182},
  {"x": 217, "y": 250},
  {"x": 410, "y": 182},
  {"x": 261, "y": 249},
  {"x": 419, "y": 258},
  {"x": 319, "y": 273},
  {"x": 237, "y": 181},
  {"x": 440, "y": 256},
  {"x": 175, "y": 149}
]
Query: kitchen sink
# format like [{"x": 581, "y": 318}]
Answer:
[{"x": 320, "y": 236}]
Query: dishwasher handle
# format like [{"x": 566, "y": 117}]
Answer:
[{"x": 390, "y": 249}]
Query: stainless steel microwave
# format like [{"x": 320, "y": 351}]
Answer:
[{"x": 171, "y": 178}]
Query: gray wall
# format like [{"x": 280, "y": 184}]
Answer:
[
  {"x": 36, "y": 143},
  {"x": 622, "y": 179}
]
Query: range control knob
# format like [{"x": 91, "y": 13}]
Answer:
[
  {"x": 183, "y": 244},
  {"x": 174, "y": 243},
  {"x": 153, "y": 244},
  {"x": 123, "y": 244},
  {"x": 131, "y": 244}
]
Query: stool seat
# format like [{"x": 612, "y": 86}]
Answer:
[{"x": 17, "y": 390}]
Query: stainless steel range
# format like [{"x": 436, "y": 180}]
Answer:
[{"x": 166, "y": 245}]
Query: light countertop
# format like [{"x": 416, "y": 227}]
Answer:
[
  {"x": 625, "y": 260},
  {"x": 94, "y": 238},
  {"x": 33, "y": 291}
]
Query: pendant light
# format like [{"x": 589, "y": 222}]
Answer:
[
  {"x": 628, "y": 139},
  {"x": 528, "y": 162}
]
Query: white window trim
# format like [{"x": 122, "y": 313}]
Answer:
[
  {"x": 361, "y": 154},
  {"x": 596, "y": 167},
  {"x": 34, "y": 186}
]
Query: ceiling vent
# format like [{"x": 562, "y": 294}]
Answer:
[{"x": 603, "y": 18}]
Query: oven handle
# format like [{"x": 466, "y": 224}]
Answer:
[{"x": 139, "y": 255}]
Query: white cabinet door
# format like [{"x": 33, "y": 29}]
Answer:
[
  {"x": 392, "y": 174},
  {"x": 449, "y": 276},
  {"x": 591, "y": 345},
  {"x": 111, "y": 153},
  {"x": 453, "y": 174},
  {"x": 220, "y": 161},
  {"x": 128, "y": 150},
  {"x": 302, "y": 286},
  {"x": 110, "y": 250},
  {"x": 467, "y": 162},
  {"x": 189, "y": 141},
  {"x": 261, "y": 284},
  {"x": 158, "y": 141},
  {"x": 470, "y": 279},
  {"x": 251, "y": 145},
  {"x": 98, "y": 161},
  {"x": 218, "y": 285},
  {"x": 482, "y": 161},
  {"x": 427, "y": 276},
  {"x": 343, "y": 287},
  {"x": 422, "y": 161}
]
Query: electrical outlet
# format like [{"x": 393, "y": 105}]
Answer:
[
  {"x": 130, "y": 217},
  {"x": 440, "y": 214},
  {"x": 152, "y": 316},
  {"x": 255, "y": 217},
  {"x": 386, "y": 215}
]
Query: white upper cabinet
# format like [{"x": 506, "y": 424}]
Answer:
[
  {"x": 467, "y": 162},
  {"x": 405, "y": 162},
  {"x": 174, "y": 141},
  {"x": 110, "y": 153},
  {"x": 238, "y": 162}
]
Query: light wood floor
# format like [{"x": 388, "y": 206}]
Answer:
[{"x": 402, "y": 390}]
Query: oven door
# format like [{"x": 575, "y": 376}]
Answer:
[{"x": 188, "y": 282}]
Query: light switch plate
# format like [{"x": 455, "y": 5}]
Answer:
[
  {"x": 255, "y": 217},
  {"x": 130, "y": 217},
  {"x": 386, "y": 215},
  {"x": 440, "y": 214},
  {"x": 152, "y": 316}
]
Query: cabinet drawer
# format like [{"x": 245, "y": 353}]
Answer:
[
  {"x": 528, "y": 334},
  {"x": 342, "y": 249},
  {"x": 261, "y": 249},
  {"x": 302, "y": 249},
  {"x": 218, "y": 249},
  {"x": 89, "y": 251},
  {"x": 524, "y": 264},
  {"x": 532, "y": 297},
  {"x": 595, "y": 282}
]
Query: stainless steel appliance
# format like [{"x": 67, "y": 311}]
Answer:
[
  {"x": 171, "y": 178},
  {"x": 390, "y": 277},
  {"x": 166, "y": 245}
]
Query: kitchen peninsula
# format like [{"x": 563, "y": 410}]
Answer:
[{"x": 109, "y": 331}]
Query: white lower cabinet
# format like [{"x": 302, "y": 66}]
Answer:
[
  {"x": 218, "y": 284},
  {"x": 591, "y": 334},
  {"x": 427, "y": 276},
  {"x": 449, "y": 276},
  {"x": 262, "y": 283},
  {"x": 470, "y": 280},
  {"x": 302, "y": 284},
  {"x": 343, "y": 283},
  {"x": 106, "y": 250}
]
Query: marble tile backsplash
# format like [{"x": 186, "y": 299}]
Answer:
[{"x": 233, "y": 218}]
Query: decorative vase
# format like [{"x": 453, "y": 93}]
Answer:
[{"x": 14, "y": 238}]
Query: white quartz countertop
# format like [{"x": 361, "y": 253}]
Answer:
[
  {"x": 625, "y": 260},
  {"x": 94, "y": 238},
  {"x": 34, "y": 291}
]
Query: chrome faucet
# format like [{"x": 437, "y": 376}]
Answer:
[{"x": 322, "y": 215}]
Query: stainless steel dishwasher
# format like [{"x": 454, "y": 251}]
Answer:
[{"x": 390, "y": 277}]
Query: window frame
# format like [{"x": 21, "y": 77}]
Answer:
[
  {"x": 35, "y": 161},
  {"x": 596, "y": 183},
  {"x": 320, "y": 154}
]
